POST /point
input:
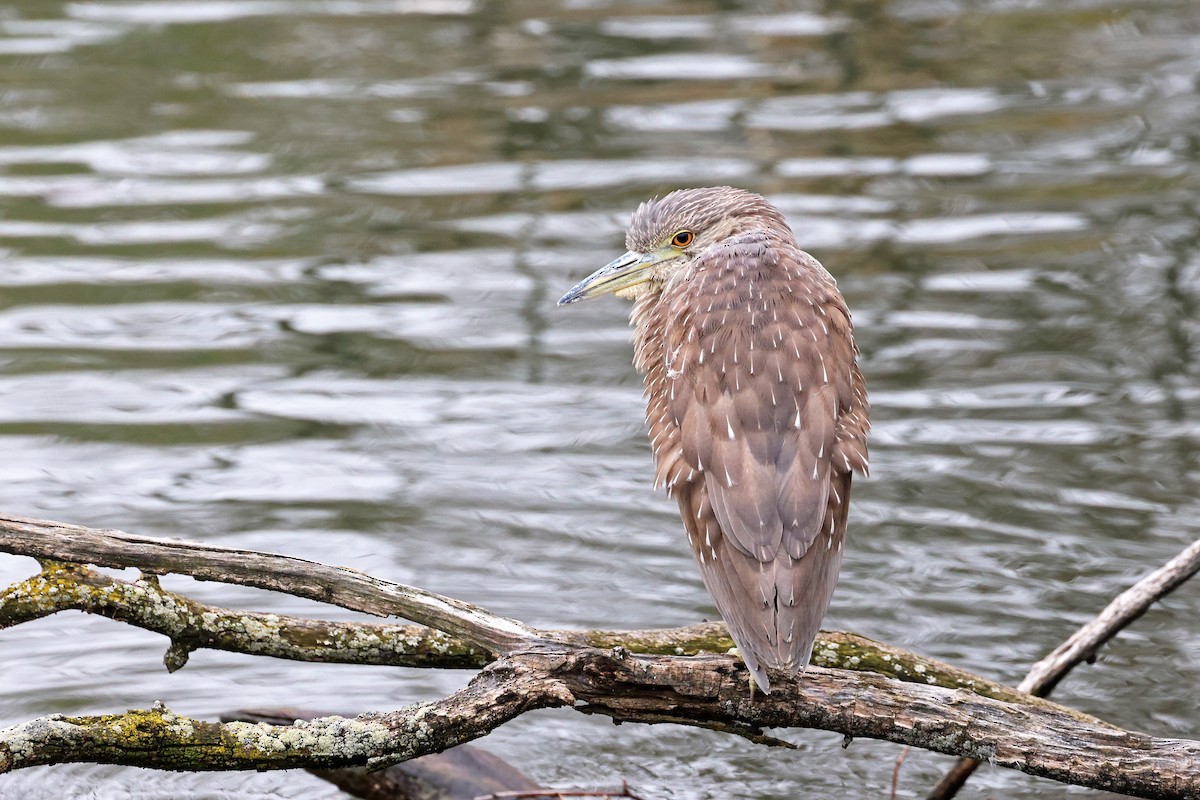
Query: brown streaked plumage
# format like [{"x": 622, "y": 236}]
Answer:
[{"x": 756, "y": 407}]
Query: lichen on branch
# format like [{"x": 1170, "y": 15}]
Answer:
[{"x": 856, "y": 687}]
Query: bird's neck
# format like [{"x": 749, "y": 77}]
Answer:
[{"x": 648, "y": 327}]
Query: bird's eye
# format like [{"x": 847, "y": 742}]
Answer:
[{"x": 683, "y": 238}]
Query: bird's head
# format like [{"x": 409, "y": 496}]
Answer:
[{"x": 666, "y": 235}]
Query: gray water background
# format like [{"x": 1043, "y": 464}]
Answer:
[{"x": 281, "y": 275}]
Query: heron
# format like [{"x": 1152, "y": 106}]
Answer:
[{"x": 756, "y": 407}]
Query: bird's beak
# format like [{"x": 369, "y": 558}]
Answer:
[{"x": 620, "y": 273}]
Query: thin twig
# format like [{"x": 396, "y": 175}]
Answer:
[
  {"x": 1123, "y": 610},
  {"x": 1083, "y": 644},
  {"x": 534, "y": 794},
  {"x": 896, "y": 771}
]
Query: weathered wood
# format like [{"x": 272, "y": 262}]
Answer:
[
  {"x": 191, "y": 625},
  {"x": 1124, "y": 609},
  {"x": 702, "y": 691},
  {"x": 539, "y": 669},
  {"x": 464, "y": 772},
  {"x": 340, "y": 586},
  {"x": 1083, "y": 644},
  {"x": 160, "y": 739},
  {"x": 1047, "y": 742}
]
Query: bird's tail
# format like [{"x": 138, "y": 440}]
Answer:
[{"x": 773, "y": 609}]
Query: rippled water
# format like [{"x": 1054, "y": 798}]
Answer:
[{"x": 282, "y": 275}]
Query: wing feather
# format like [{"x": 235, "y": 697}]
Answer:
[
  {"x": 765, "y": 428},
  {"x": 758, "y": 413}
]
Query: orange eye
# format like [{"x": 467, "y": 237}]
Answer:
[{"x": 683, "y": 238}]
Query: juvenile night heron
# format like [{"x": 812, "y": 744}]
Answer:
[{"x": 756, "y": 407}]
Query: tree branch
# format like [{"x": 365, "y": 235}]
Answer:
[
  {"x": 1083, "y": 644},
  {"x": 538, "y": 669},
  {"x": 465, "y": 772},
  {"x": 340, "y": 586},
  {"x": 1049, "y": 741},
  {"x": 191, "y": 625},
  {"x": 702, "y": 691},
  {"x": 161, "y": 739},
  {"x": 1119, "y": 614}
]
